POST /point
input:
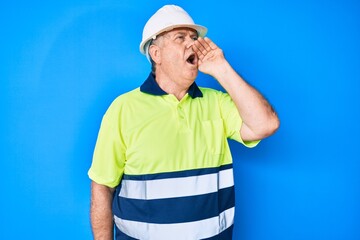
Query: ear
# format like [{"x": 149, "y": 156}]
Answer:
[{"x": 154, "y": 52}]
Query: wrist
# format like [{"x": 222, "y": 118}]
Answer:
[{"x": 222, "y": 71}]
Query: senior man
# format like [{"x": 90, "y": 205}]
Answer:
[{"x": 162, "y": 167}]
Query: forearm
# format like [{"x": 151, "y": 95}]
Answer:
[
  {"x": 259, "y": 118},
  {"x": 100, "y": 212}
]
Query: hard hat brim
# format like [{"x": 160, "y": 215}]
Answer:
[{"x": 200, "y": 29}]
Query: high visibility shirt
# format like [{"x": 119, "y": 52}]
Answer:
[{"x": 170, "y": 163}]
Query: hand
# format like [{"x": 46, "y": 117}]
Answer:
[{"x": 210, "y": 56}]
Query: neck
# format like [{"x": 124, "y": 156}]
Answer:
[{"x": 172, "y": 86}]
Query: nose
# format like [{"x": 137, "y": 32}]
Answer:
[{"x": 189, "y": 41}]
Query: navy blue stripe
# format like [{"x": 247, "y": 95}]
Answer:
[
  {"x": 175, "y": 210},
  {"x": 119, "y": 235},
  {"x": 185, "y": 173},
  {"x": 225, "y": 235}
]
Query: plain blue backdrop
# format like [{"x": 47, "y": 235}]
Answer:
[{"x": 63, "y": 62}]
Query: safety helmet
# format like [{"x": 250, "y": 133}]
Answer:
[{"x": 165, "y": 19}]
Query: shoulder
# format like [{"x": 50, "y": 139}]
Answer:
[
  {"x": 121, "y": 102},
  {"x": 219, "y": 98},
  {"x": 125, "y": 98},
  {"x": 210, "y": 93}
]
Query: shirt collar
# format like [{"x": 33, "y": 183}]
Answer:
[{"x": 150, "y": 86}]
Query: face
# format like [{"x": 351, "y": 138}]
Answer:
[{"x": 175, "y": 58}]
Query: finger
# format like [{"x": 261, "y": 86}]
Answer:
[
  {"x": 200, "y": 47},
  {"x": 205, "y": 44},
  {"x": 199, "y": 50},
  {"x": 200, "y": 56},
  {"x": 212, "y": 45}
]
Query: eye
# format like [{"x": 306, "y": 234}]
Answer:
[{"x": 194, "y": 38}]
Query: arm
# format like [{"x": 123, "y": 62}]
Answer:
[
  {"x": 259, "y": 118},
  {"x": 100, "y": 212}
]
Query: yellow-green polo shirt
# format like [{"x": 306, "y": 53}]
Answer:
[{"x": 143, "y": 133}]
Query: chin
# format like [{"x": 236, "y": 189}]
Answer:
[{"x": 192, "y": 75}]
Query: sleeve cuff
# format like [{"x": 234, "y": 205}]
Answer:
[{"x": 94, "y": 177}]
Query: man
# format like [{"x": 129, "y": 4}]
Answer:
[{"x": 162, "y": 167}]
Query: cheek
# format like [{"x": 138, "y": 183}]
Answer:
[{"x": 172, "y": 55}]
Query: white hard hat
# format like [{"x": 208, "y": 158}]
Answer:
[{"x": 165, "y": 19}]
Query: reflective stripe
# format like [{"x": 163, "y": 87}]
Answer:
[
  {"x": 176, "y": 187},
  {"x": 177, "y": 231},
  {"x": 181, "y": 173}
]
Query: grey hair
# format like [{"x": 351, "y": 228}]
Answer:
[{"x": 147, "y": 46}]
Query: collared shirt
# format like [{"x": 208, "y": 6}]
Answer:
[
  {"x": 170, "y": 163},
  {"x": 150, "y": 86}
]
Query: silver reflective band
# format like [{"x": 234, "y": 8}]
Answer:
[
  {"x": 177, "y": 187},
  {"x": 177, "y": 231}
]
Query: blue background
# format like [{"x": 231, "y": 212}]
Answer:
[{"x": 63, "y": 62}]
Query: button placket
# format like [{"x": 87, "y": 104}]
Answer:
[{"x": 181, "y": 116}]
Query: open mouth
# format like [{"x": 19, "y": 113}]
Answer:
[{"x": 191, "y": 59}]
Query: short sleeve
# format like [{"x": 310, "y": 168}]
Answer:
[
  {"x": 109, "y": 154},
  {"x": 232, "y": 120}
]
